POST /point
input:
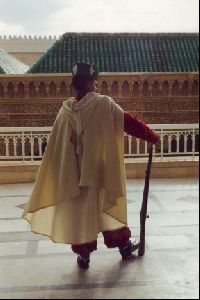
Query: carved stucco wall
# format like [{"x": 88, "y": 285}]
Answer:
[{"x": 157, "y": 98}]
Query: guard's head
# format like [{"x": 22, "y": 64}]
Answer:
[{"x": 84, "y": 78}]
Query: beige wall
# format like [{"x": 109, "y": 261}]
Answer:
[
  {"x": 17, "y": 172},
  {"x": 27, "y": 58},
  {"x": 28, "y": 48}
]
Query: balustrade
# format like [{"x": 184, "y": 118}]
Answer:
[{"x": 29, "y": 143}]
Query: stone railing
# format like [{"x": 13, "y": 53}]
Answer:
[
  {"x": 28, "y": 143},
  {"x": 176, "y": 140}
]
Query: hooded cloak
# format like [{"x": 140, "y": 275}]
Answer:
[{"x": 80, "y": 186}]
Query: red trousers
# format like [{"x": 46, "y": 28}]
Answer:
[{"x": 112, "y": 239}]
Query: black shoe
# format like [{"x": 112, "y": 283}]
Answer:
[
  {"x": 126, "y": 251},
  {"x": 83, "y": 262}
]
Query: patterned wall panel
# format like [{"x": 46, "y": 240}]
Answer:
[{"x": 34, "y": 100}]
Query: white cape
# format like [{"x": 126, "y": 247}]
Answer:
[{"x": 80, "y": 186}]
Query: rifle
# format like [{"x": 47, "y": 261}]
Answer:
[{"x": 143, "y": 211}]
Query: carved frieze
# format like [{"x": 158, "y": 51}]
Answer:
[
  {"x": 13, "y": 108},
  {"x": 160, "y": 106},
  {"x": 53, "y": 108},
  {"x": 157, "y": 107},
  {"x": 4, "y": 120},
  {"x": 36, "y": 108},
  {"x": 31, "y": 120},
  {"x": 170, "y": 118},
  {"x": 170, "y": 106},
  {"x": 128, "y": 106}
]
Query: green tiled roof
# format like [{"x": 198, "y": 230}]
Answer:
[
  {"x": 2, "y": 70},
  {"x": 10, "y": 65},
  {"x": 122, "y": 52}
]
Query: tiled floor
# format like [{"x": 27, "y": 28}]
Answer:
[{"x": 33, "y": 267}]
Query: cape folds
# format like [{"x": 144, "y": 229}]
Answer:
[{"x": 85, "y": 150}]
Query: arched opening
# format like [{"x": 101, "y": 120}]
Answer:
[
  {"x": 185, "y": 89},
  {"x": 145, "y": 89},
  {"x": 136, "y": 89},
  {"x": 114, "y": 89},
  {"x": 165, "y": 144},
  {"x": 195, "y": 88},
  {"x": 63, "y": 90},
  {"x": 27, "y": 146},
  {"x": 32, "y": 90},
  {"x": 174, "y": 144},
  {"x": 21, "y": 90},
  {"x": 42, "y": 89},
  {"x": 189, "y": 143},
  {"x": 3, "y": 146},
  {"x": 19, "y": 146},
  {"x": 125, "y": 89},
  {"x": 175, "y": 88},
  {"x": 52, "y": 90},
  {"x": 104, "y": 88},
  {"x": 11, "y": 146},
  {"x": 71, "y": 90},
  {"x": 155, "y": 88},
  {"x": 1, "y": 91},
  {"x": 36, "y": 147},
  {"x": 196, "y": 142},
  {"x": 181, "y": 143},
  {"x": 10, "y": 90},
  {"x": 165, "y": 88},
  {"x": 44, "y": 144}
]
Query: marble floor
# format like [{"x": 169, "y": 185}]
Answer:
[{"x": 33, "y": 267}]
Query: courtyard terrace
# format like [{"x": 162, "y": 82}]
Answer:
[{"x": 33, "y": 267}]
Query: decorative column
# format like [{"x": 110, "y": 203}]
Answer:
[
  {"x": 5, "y": 87},
  {"x": 159, "y": 88},
  {"x": 130, "y": 89},
  {"x": 150, "y": 86},
  {"x": 140, "y": 88},
  {"x": 109, "y": 84},
  {"x": 26, "y": 90},
  {"x": 189, "y": 88},
  {"x": 37, "y": 89},
  {"x": 57, "y": 90},
  {"x": 120, "y": 89},
  {"x": 170, "y": 88},
  {"x": 15, "y": 90},
  {"x": 47, "y": 83},
  {"x": 181, "y": 87}
]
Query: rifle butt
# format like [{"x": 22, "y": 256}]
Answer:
[{"x": 141, "y": 249}]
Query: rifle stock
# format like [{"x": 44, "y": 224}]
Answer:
[{"x": 143, "y": 211}]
